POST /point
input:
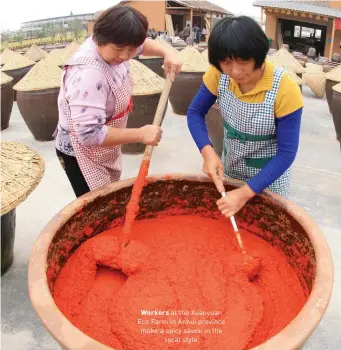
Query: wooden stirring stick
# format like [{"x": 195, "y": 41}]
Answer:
[
  {"x": 159, "y": 113},
  {"x": 133, "y": 205}
]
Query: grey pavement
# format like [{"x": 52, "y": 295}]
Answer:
[{"x": 316, "y": 187}]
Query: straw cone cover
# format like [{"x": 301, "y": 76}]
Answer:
[
  {"x": 162, "y": 42},
  {"x": 42, "y": 76},
  {"x": 295, "y": 78},
  {"x": 337, "y": 88},
  {"x": 7, "y": 53},
  {"x": 165, "y": 43},
  {"x": 21, "y": 171},
  {"x": 205, "y": 54},
  {"x": 145, "y": 81},
  {"x": 316, "y": 81},
  {"x": 334, "y": 74},
  {"x": 192, "y": 60},
  {"x": 55, "y": 57},
  {"x": 17, "y": 61},
  {"x": 69, "y": 50},
  {"x": 5, "y": 78},
  {"x": 311, "y": 67},
  {"x": 285, "y": 59},
  {"x": 72, "y": 48},
  {"x": 35, "y": 53}
]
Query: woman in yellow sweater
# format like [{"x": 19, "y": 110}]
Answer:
[{"x": 261, "y": 108}]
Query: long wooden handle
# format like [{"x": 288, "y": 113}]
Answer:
[{"x": 159, "y": 113}]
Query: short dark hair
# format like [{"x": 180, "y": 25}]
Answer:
[
  {"x": 237, "y": 37},
  {"x": 122, "y": 26}
]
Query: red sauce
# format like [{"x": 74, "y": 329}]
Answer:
[{"x": 177, "y": 264}]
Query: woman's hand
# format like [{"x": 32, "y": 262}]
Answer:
[
  {"x": 235, "y": 200},
  {"x": 172, "y": 64},
  {"x": 150, "y": 134},
  {"x": 213, "y": 167}
]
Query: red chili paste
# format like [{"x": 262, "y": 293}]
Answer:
[{"x": 185, "y": 272}]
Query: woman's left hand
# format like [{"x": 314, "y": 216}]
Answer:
[
  {"x": 172, "y": 64},
  {"x": 235, "y": 200}
]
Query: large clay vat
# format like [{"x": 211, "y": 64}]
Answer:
[
  {"x": 17, "y": 75},
  {"x": 215, "y": 127},
  {"x": 329, "y": 92},
  {"x": 143, "y": 114},
  {"x": 185, "y": 87},
  {"x": 336, "y": 112},
  {"x": 7, "y": 96},
  {"x": 7, "y": 240},
  {"x": 154, "y": 64},
  {"x": 39, "y": 110},
  {"x": 283, "y": 224}
]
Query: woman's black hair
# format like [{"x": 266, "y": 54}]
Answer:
[
  {"x": 122, "y": 26},
  {"x": 237, "y": 37}
]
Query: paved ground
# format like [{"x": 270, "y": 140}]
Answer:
[{"x": 316, "y": 187}]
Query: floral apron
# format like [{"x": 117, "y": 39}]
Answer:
[
  {"x": 250, "y": 140},
  {"x": 101, "y": 165}
]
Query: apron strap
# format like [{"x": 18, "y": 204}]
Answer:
[{"x": 232, "y": 133}]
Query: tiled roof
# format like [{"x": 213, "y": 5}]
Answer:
[
  {"x": 203, "y": 5},
  {"x": 315, "y": 7}
]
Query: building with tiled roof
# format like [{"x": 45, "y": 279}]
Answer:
[
  {"x": 165, "y": 15},
  {"x": 304, "y": 24}
]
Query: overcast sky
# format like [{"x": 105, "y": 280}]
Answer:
[{"x": 13, "y": 13}]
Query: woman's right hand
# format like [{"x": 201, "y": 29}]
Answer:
[
  {"x": 213, "y": 167},
  {"x": 150, "y": 134}
]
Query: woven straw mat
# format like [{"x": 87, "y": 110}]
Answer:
[
  {"x": 21, "y": 171},
  {"x": 334, "y": 74},
  {"x": 337, "y": 88},
  {"x": 35, "y": 53},
  {"x": 192, "y": 60},
  {"x": 316, "y": 82},
  {"x": 17, "y": 61},
  {"x": 145, "y": 81},
  {"x": 285, "y": 59},
  {"x": 42, "y": 76},
  {"x": 5, "y": 78},
  {"x": 7, "y": 53}
]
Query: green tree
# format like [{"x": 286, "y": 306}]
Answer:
[
  {"x": 76, "y": 27},
  {"x": 19, "y": 37},
  {"x": 5, "y": 37},
  {"x": 41, "y": 34}
]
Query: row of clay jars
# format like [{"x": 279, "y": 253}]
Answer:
[{"x": 7, "y": 97}]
